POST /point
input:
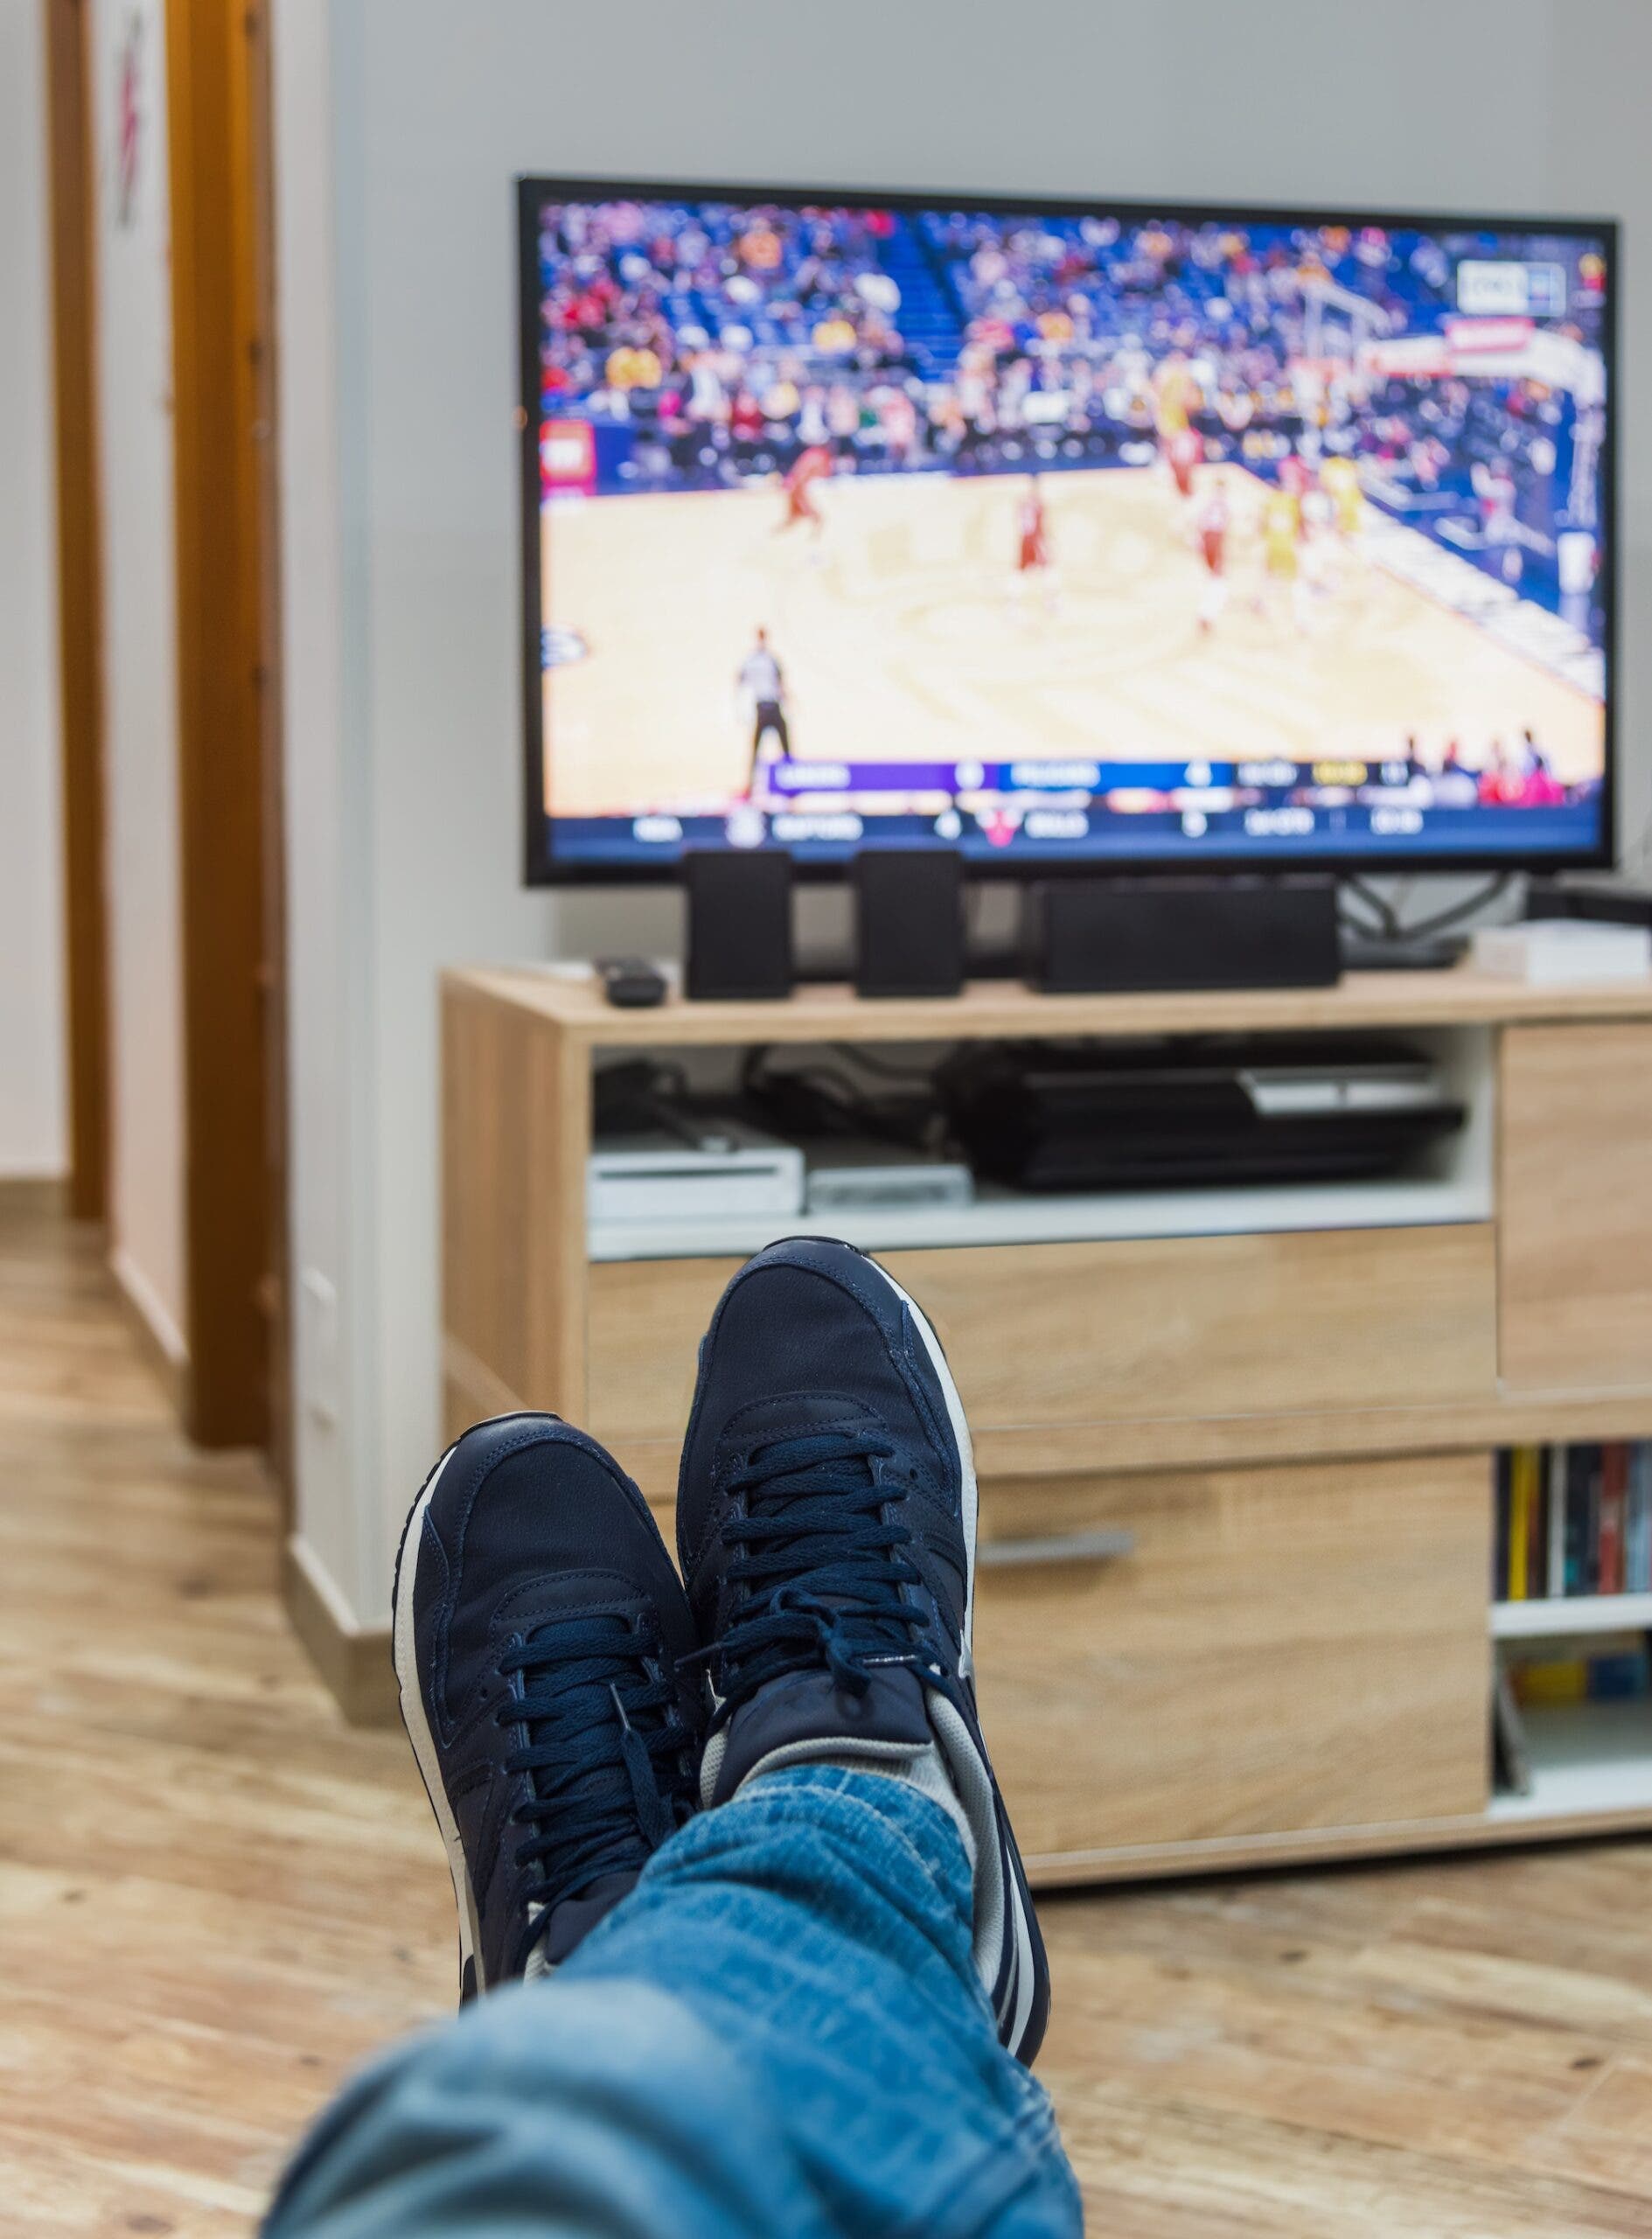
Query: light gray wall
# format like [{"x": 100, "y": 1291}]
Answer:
[
  {"x": 32, "y": 1115},
  {"x": 401, "y": 292},
  {"x": 1600, "y": 158}
]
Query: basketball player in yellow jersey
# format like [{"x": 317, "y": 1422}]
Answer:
[
  {"x": 1175, "y": 395},
  {"x": 1339, "y": 478},
  {"x": 1281, "y": 561}
]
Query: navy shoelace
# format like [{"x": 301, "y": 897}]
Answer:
[
  {"x": 817, "y": 1570},
  {"x": 604, "y": 1756}
]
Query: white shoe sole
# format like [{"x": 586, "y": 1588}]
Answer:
[
  {"x": 953, "y": 1734},
  {"x": 418, "y": 1726}
]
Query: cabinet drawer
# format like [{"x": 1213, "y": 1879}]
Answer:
[
  {"x": 1575, "y": 1207},
  {"x": 1278, "y": 1650},
  {"x": 1047, "y": 1338}
]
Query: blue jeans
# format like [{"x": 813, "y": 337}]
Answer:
[{"x": 778, "y": 2034}]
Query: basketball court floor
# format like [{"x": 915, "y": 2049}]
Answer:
[{"x": 905, "y": 633}]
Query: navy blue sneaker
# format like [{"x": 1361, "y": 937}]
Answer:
[
  {"x": 825, "y": 1529},
  {"x": 538, "y": 1630}
]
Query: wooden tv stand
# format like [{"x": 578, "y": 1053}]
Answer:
[{"x": 1236, "y": 1516}]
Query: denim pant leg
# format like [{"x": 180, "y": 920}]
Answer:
[{"x": 778, "y": 2035}]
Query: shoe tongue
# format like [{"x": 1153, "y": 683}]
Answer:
[
  {"x": 806, "y": 1716},
  {"x": 800, "y": 1414},
  {"x": 574, "y": 1918}
]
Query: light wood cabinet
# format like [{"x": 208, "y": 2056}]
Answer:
[
  {"x": 1269, "y": 1650},
  {"x": 1045, "y": 1338},
  {"x": 1575, "y": 1207},
  {"x": 1290, "y": 1431}
]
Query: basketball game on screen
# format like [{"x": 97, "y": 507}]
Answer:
[{"x": 1045, "y": 535}]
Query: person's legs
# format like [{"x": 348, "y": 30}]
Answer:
[
  {"x": 826, "y": 1533},
  {"x": 770, "y": 723},
  {"x": 792, "y": 2012},
  {"x": 779, "y": 2032},
  {"x": 820, "y": 1924}
]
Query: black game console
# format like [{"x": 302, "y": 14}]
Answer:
[
  {"x": 1604, "y": 902},
  {"x": 1050, "y": 1116}
]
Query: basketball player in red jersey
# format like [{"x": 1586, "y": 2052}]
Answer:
[
  {"x": 1211, "y": 521},
  {"x": 1177, "y": 396},
  {"x": 1183, "y": 452},
  {"x": 809, "y": 467},
  {"x": 1035, "y": 543},
  {"x": 1032, "y": 550}
]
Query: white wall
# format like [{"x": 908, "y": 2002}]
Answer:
[
  {"x": 330, "y": 842},
  {"x": 1600, "y": 159},
  {"x": 402, "y": 122},
  {"x": 32, "y": 1065},
  {"x": 135, "y": 377}
]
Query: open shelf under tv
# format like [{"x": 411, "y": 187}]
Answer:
[
  {"x": 1563, "y": 1616},
  {"x": 1012, "y": 1216},
  {"x": 1585, "y": 1757}
]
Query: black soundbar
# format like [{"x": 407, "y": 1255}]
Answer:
[{"x": 1129, "y": 936}]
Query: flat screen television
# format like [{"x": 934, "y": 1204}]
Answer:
[{"x": 1067, "y": 534}]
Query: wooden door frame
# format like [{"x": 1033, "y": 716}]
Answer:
[
  {"x": 229, "y": 759},
  {"x": 72, "y": 196},
  {"x": 259, "y": 26}
]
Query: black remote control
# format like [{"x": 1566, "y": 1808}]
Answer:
[{"x": 631, "y": 983}]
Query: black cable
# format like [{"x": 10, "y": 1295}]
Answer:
[
  {"x": 908, "y": 1075},
  {"x": 1387, "y": 917},
  {"x": 1391, "y": 927},
  {"x": 817, "y": 1099},
  {"x": 1350, "y": 922},
  {"x": 1443, "y": 920}
]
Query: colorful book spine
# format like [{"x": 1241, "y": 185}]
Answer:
[
  {"x": 1639, "y": 1564},
  {"x": 1555, "y": 1496},
  {"x": 1519, "y": 1523},
  {"x": 1613, "y": 1668},
  {"x": 1614, "y": 1483},
  {"x": 1550, "y": 1680},
  {"x": 1572, "y": 1521},
  {"x": 1577, "y": 1579}
]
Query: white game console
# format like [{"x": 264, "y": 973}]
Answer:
[
  {"x": 704, "y": 1170},
  {"x": 850, "y": 1177},
  {"x": 1564, "y": 952}
]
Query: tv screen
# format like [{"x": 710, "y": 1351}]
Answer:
[{"x": 1062, "y": 533}]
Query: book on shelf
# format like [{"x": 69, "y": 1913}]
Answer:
[
  {"x": 1633, "y": 1469},
  {"x": 1511, "y": 1761},
  {"x": 1554, "y": 1482},
  {"x": 1611, "y": 1487},
  {"x": 1572, "y": 1521},
  {"x": 1519, "y": 1589},
  {"x": 1599, "y": 1668}
]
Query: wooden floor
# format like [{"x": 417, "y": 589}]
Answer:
[{"x": 214, "y": 1898}]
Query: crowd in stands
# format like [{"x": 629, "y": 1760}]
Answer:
[{"x": 730, "y": 339}]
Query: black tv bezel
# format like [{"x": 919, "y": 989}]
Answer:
[{"x": 542, "y": 867}]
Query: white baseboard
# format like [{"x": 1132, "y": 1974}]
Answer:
[
  {"x": 146, "y": 1303},
  {"x": 353, "y": 1659}
]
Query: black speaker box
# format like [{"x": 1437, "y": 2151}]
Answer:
[
  {"x": 908, "y": 921},
  {"x": 739, "y": 925},
  {"x": 1131, "y": 936},
  {"x": 1605, "y": 902}
]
